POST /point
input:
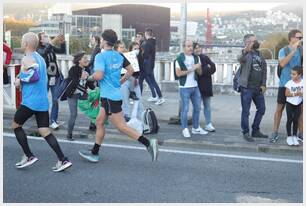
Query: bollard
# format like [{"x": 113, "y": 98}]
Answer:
[{"x": 18, "y": 91}]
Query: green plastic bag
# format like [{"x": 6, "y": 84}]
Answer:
[{"x": 91, "y": 106}]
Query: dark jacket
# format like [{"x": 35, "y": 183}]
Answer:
[
  {"x": 49, "y": 52},
  {"x": 149, "y": 52},
  {"x": 96, "y": 51},
  {"x": 75, "y": 73},
  {"x": 205, "y": 80},
  {"x": 246, "y": 60}
]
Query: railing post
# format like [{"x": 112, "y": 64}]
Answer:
[
  {"x": 220, "y": 73},
  {"x": 167, "y": 71},
  {"x": 229, "y": 73},
  {"x": 171, "y": 71}
]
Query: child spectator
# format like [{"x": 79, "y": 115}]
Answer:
[{"x": 294, "y": 101}]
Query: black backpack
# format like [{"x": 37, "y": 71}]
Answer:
[
  {"x": 150, "y": 124},
  {"x": 236, "y": 85}
]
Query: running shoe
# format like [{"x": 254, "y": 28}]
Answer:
[
  {"x": 152, "y": 99},
  {"x": 295, "y": 141},
  {"x": 290, "y": 141},
  {"x": 26, "y": 161},
  {"x": 210, "y": 128},
  {"x": 274, "y": 137},
  {"x": 160, "y": 101},
  {"x": 186, "y": 133},
  {"x": 54, "y": 126},
  {"x": 87, "y": 154},
  {"x": 62, "y": 165},
  {"x": 199, "y": 130},
  {"x": 153, "y": 149}
]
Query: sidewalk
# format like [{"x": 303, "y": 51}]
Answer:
[{"x": 226, "y": 113}]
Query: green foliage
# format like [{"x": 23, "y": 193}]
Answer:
[
  {"x": 18, "y": 27},
  {"x": 274, "y": 42},
  {"x": 77, "y": 44}
]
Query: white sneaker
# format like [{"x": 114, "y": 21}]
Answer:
[
  {"x": 26, "y": 161},
  {"x": 290, "y": 141},
  {"x": 152, "y": 99},
  {"x": 210, "y": 128},
  {"x": 61, "y": 166},
  {"x": 186, "y": 132},
  {"x": 199, "y": 130},
  {"x": 54, "y": 125},
  {"x": 295, "y": 141},
  {"x": 160, "y": 101}
]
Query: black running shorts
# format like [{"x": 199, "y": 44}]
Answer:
[
  {"x": 24, "y": 113},
  {"x": 281, "y": 97},
  {"x": 110, "y": 106}
]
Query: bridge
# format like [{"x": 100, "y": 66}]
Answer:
[{"x": 164, "y": 74}]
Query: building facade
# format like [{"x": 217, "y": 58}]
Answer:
[{"x": 139, "y": 17}]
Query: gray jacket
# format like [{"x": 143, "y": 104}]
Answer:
[{"x": 245, "y": 60}]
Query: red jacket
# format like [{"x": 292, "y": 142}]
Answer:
[{"x": 8, "y": 52}]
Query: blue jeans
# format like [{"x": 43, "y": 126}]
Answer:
[
  {"x": 194, "y": 95},
  {"x": 126, "y": 100},
  {"x": 54, "y": 109},
  {"x": 148, "y": 75},
  {"x": 247, "y": 95},
  {"x": 207, "y": 109}
]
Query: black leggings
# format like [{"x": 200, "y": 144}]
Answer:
[{"x": 293, "y": 114}]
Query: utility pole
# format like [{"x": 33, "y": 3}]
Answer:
[{"x": 183, "y": 24}]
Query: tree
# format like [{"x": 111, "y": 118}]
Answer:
[
  {"x": 18, "y": 27},
  {"x": 77, "y": 44},
  {"x": 274, "y": 42}
]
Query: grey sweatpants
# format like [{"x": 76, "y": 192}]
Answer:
[{"x": 73, "y": 107}]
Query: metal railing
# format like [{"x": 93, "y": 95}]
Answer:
[{"x": 164, "y": 71}]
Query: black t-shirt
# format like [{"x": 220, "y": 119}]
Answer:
[{"x": 255, "y": 77}]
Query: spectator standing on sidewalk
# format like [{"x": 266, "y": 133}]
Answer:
[
  {"x": 187, "y": 70},
  {"x": 288, "y": 57},
  {"x": 252, "y": 82},
  {"x": 149, "y": 52},
  {"x": 294, "y": 99},
  {"x": 35, "y": 102},
  {"x": 134, "y": 47},
  {"x": 77, "y": 89},
  {"x": 48, "y": 50},
  {"x": 205, "y": 84},
  {"x": 95, "y": 42},
  {"x": 7, "y": 56}
]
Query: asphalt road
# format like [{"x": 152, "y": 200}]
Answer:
[{"x": 126, "y": 174}]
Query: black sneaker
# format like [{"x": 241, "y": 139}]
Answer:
[
  {"x": 247, "y": 137},
  {"x": 274, "y": 137},
  {"x": 300, "y": 137},
  {"x": 92, "y": 127},
  {"x": 258, "y": 134},
  {"x": 133, "y": 96},
  {"x": 69, "y": 137}
]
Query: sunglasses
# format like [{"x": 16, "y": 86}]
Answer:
[{"x": 299, "y": 37}]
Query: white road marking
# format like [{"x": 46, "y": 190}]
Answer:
[{"x": 173, "y": 151}]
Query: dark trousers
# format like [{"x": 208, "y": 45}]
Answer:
[
  {"x": 247, "y": 95},
  {"x": 148, "y": 75},
  {"x": 293, "y": 114},
  {"x": 5, "y": 76}
]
